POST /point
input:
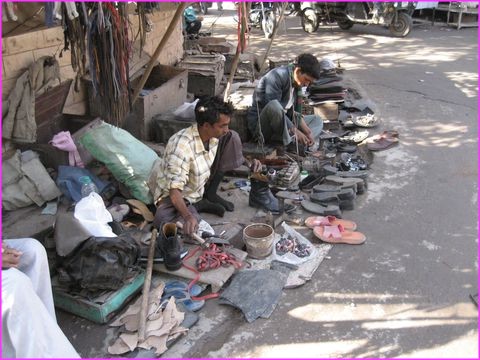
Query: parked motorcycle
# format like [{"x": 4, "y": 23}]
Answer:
[
  {"x": 262, "y": 15},
  {"x": 396, "y": 16}
]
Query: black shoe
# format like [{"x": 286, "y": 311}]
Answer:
[
  {"x": 261, "y": 197},
  {"x": 170, "y": 246},
  {"x": 158, "y": 256}
]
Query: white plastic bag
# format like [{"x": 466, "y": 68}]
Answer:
[
  {"x": 289, "y": 257},
  {"x": 187, "y": 110},
  {"x": 91, "y": 212}
]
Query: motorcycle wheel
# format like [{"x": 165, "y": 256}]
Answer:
[
  {"x": 268, "y": 24},
  {"x": 310, "y": 21},
  {"x": 402, "y": 26},
  {"x": 345, "y": 24}
]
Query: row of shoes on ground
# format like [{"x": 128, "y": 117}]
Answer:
[{"x": 334, "y": 195}]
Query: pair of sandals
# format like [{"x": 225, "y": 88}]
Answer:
[
  {"x": 383, "y": 141},
  {"x": 179, "y": 290},
  {"x": 335, "y": 231}
]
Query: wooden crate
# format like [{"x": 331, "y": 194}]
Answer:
[
  {"x": 164, "y": 90},
  {"x": 99, "y": 313},
  {"x": 327, "y": 111},
  {"x": 205, "y": 73}
]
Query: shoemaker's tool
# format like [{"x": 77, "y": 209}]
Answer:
[
  {"x": 142, "y": 321},
  {"x": 221, "y": 223},
  {"x": 216, "y": 239},
  {"x": 195, "y": 236}
]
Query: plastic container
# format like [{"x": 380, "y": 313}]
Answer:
[
  {"x": 303, "y": 174},
  {"x": 88, "y": 186},
  {"x": 259, "y": 240}
]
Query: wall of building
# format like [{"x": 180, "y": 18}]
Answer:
[{"x": 19, "y": 51}]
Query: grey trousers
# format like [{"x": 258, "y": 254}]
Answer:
[{"x": 273, "y": 122}]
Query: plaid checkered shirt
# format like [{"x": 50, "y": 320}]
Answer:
[{"x": 186, "y": 165}]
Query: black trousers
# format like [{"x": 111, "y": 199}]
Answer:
[{"x": 193, "y": 27}]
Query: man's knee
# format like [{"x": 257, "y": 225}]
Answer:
[
  {"x": 313, "y": 119},
  {"x": 32, "y": 251},
  {"x": 272, "y": 119},
  {"x": 273, "y": 108},
  {"x": 15, "y": 285}
]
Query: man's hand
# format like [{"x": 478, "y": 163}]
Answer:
[
  {"x": 308, "y": 132},
  {"x": 256, "y": 166},
  {"x": 10, "y": 257},
  {"x": 302, "y": 138},
  {"x": 190, "y": 226}
]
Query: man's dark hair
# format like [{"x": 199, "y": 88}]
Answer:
[
  {"x": 309, "y": 65},
  {"x": 208, "y": 109}
]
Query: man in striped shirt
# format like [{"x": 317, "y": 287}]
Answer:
[{"x": 194, "y": 164}]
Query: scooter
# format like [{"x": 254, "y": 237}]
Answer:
[{"x": 396, "y": 16}]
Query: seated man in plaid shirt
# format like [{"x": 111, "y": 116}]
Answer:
[{"x": 194, "y": 164}]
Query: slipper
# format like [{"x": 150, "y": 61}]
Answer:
[
  {"x": 321, "y": 209},
  {"x": 179, "y": 290},
  {"x": 336, "y": 234},
  {"x": 327, "y": 188},
  {"x": 366, "y": 121},
  {"x": 390, "y": 134},
  {"x": 314, "y": 221},
  {"x": 324, "y": 197},
  {"x": 357, "y": 184},
  {"x": 310, "y": 181},
  {"x": 355, "y": 137},
  {"x": 328, "y": 135},
  {"x": 342, "y": 194},
  {"x": 176, "y": 285},
  {"x": 362, "y": 174},
  {"x": 344, "y": 147},
  {"x": 382, "y": 143},
  {"x": 140, "y": 208}
]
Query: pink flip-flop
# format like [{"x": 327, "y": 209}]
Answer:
[
  {"x": 314, "y": 221},
  {"x": 336, "y": 234}
]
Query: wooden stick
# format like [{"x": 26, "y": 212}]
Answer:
[
  {"x": 146, "y": 288},
  {"x": 236, "y": 59},
  {"x": 161, "y": 45},
  {"x": 274, "y": 33}
]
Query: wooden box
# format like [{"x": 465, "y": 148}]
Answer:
[
  {"x": 205, "y": 73},
  {"x": 164, "y": 90},
  {"x": 327, "y": 111},
  {"x": 99, "y": 313}
]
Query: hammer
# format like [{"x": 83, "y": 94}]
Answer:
[{"x": 195, "y": 236}]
